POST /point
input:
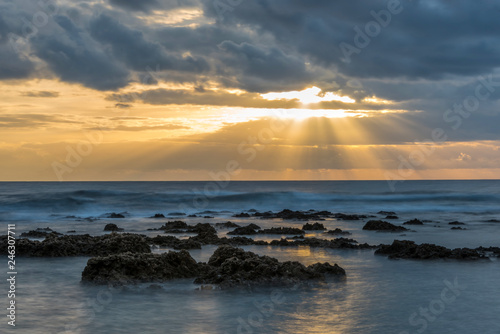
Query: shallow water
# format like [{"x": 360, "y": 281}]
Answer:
[{"x": 378, "y": 296}]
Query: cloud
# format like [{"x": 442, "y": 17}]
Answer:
[{"x": 42, "y": 93}]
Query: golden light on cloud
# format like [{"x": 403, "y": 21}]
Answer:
[
  {"x": 308, "y": 96},
  {"x": 376, "y": 100}
]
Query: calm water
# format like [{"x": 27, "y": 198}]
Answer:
[{"x": 378, "y": 296}]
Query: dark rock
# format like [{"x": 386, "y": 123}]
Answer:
[
  {"x": 176, "y": 214},
  {"x": 158, "y": 215},
  {"x": 413, "y": 222},
  {"x": 456, "y": 223},
  {"x": 391, "y": 217},
  {"x": 457, "y": 228},
  {"x": 281, "y": 230},
  {"x": 72, "y": 231},
  {"x": 410, "y": 250},
  {"x": 112, "y": 227},
  {"x": 313, "y": 227},
  {"x": 337, "y": 231},
  {"x": 245, "y": 230},
  {"x": 130, "y": 268},
  {"x": 79, "y": 245},
  {"x": 192, "y": 216},
  {"x": 387, "y": 213},
  {"x": 39, "y": 233},
  {"x": 173, "y": 242},
  {"x": 227, "y": 225},
  {"x": 380, "y": 225},
  {"x": 254, "y": 226},
  {"x": 173, "y": 225},
  {"x": 343, "y": 216},
  {"x": 115, "y": 215},
  {"x": 339, "y": 243},
  {"x": 232, "y": 267},
  {"x": 242, "y": 215},
  {"x": 207, "y": 217}
]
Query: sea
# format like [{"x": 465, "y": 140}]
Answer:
[{"x": 379, "y": 295}]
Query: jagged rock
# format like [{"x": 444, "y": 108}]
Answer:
[
  {"x": 242, "y": 215},
  {"x": 337, "y": 231},
  {"x": 458, "y": 228},
  {"x": 173, "y": 242},
  {"x": 380, "y": 225},
  {"x": 176, "y": 214},
  {"x": 391, "y": 217},
  {"x": 173, "y": 225},
  {"x": 413, "y": 222},
  {"x": 456, "y": 223},
  {"x": 158, "y": 215},
  {"x": 115, "y": 215},
  {"x": 245, "y": 230},
  {"x": 39, "y": 233},
  {"x": 232, "y": 267},
  {"x": 227, "y": 225},
  {"x": 132, "y": 267},
  {"x": 112, "y": 228},
  {"x": 387, "y": 213},
  {"x": 254, "y": 226},
  {"x": 281, "y": 230},
  {"x": 405, "y": 249},
  {"x": 79, "y": 245},
  {"x": 339, "y": 243},
  {"x": 313, "y": 227},
  {"x": 343, "y": 216}
]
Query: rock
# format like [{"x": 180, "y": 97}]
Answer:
[
  {"x": 281, "y": 230},
  {"x": 115, "y": 215},
  {"x": 410, "y": 250},
  {"x": 79, "y": 245},
  {"x": 132, "y": 267},
  {"x": 387, "y": 213},
  {"x": 391, "y": 217},
  {"x": 207, "y": 235},
  {"x": 192, "y": 216},
  {"x": 456, "y": 223},
  {"x": 337, "y": 231},
  {"x": 413, "y": 222},
  {"x": 112, "y": 227},
  {"x": 172, "y": 225},
  {"x": 245, "y": 230},
  {"x": 158, "y": 215},
  {"x": 242, "y": 215},
  {"x": 227, "y": 225},
  {"x": 39, "y": 233},
  {"x": 176, "y": 214},
  {"x": 233, "y": 267},
  {"x": 457, "y": 228},
  {"x": 380, "y": 225},
  {"x": 173, "y": 242},
  {"x": 72, "y": 231},
  {"x": 207, "y": 217},
  {"x": 254, "y": 226},
  {"x": 342, "y": 216},
  {"x": 313, "y": 227},
  {"x": 339, "y": 243}
]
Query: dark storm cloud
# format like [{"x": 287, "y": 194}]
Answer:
[{"x": 131, "y": 47}]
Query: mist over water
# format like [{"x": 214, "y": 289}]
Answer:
[{"x": 378, "y": 296}]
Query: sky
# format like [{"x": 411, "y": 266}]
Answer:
[{"x": 114, "y": 90}]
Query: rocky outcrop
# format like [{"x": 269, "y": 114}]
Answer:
[
  {"x": 245, "y": 230},
  {"x": 39, "y": 233},
  {"x": 133, "y": 267},
  {"x": 380, "y": 225},
  {"x": 337, "y": 231},
  {"x": 406, "y": 249},
  {"x": 79, "y": 245},
  {"x": 233, "y": 267},
  {"x": 112, "y": 228},
  {"x": 413, "y": 222},
  {"x": 313, "y": 227},
  {"x": 281, "y": 230},
  {"x": 456, "y": 223},
  {"x": 227, "y": 225},
  {"x": 115, "y": 215},
  {"x": 343, "y": 216},
  {"x": 339, "y": 243}
]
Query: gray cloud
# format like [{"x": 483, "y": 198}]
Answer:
[{"x": 42, "y": 93}]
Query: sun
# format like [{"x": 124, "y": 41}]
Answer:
[{"x": 308, "y": 96}]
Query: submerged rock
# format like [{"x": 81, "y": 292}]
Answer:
[
  {"x": 227, "y": 225},
  {"x": 282, "y": 230},
  {"x": 245, "y": 230},
  {"x": 39, "y": 233},
  {"x": 115, "y": 215},
  {"x": 79, "y": 245},
  {"x": 337, "y": 231},
  {"x": 380, "y": 225},
  {"x": 112, "y": 227},
  {"x": 456, "y": 223},
  {"x": 232, "y": 267},
  {"x": 413, "y": 222},
  {"x": 158, "y": 215},
  {"x": 405, "y": 249},
  {"x": 313, "y": 227}
]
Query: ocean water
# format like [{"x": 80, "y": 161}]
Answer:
[{"x": 378, "y": 296}]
